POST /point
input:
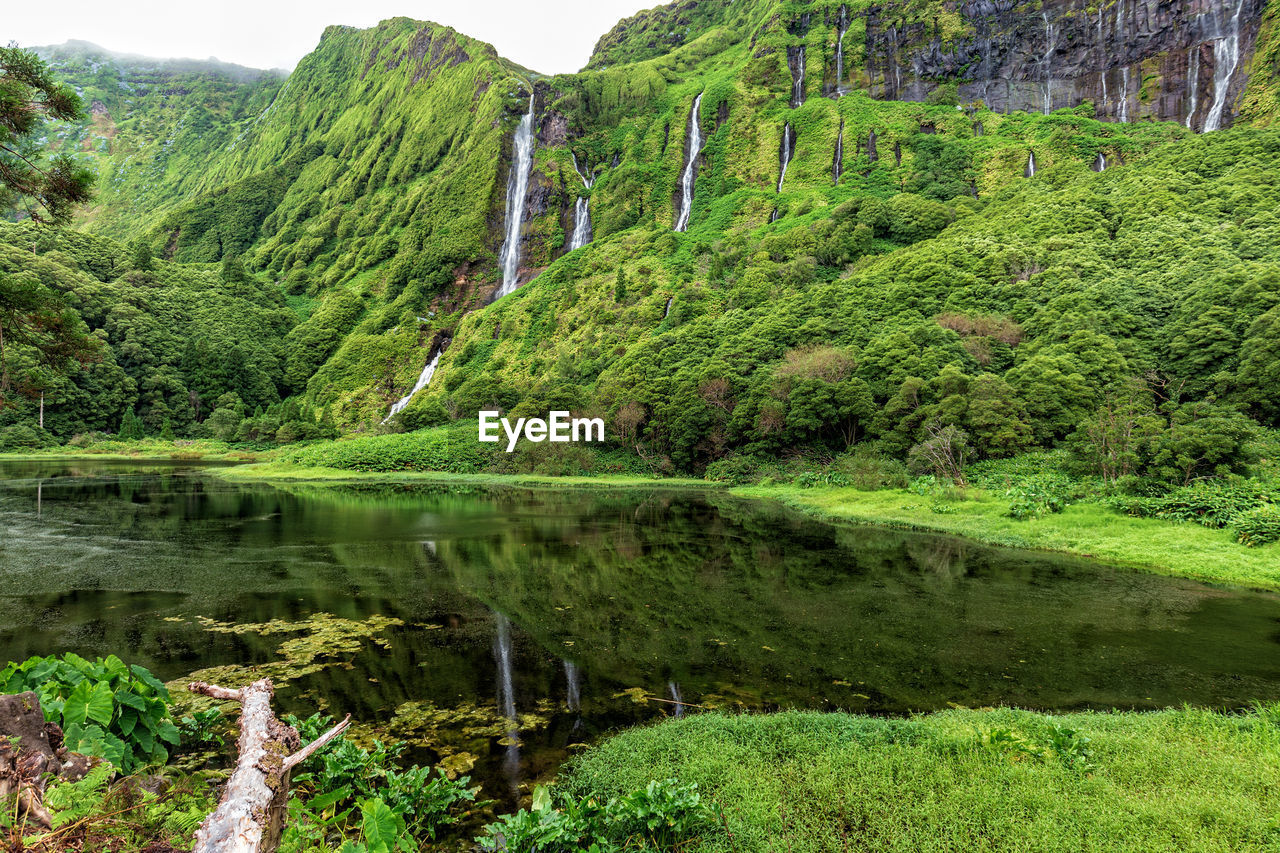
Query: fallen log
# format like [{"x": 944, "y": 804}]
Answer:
[{"x": 250, "y": 814}]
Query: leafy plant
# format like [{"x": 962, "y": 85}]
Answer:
[
  {"x": 662, "y": 816},
  {"x": 105, "y": 708},
  {"x": 346, "y": 774},
  {"x": 1258, "y": 526},
  {"x": 1038, "y": 496},
  {"x": 203, "y": 728}
]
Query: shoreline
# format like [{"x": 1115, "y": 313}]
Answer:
[{"x": 1087, "y": 530}]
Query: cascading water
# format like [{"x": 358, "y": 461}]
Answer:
[
  {"x": 517, "y": 189},
  {"x": 1124, "y": 93},
  {"x": 1047, "y": 62},
  {"x": 1226, "y": 58},
  {"x": 581, "y": 212},
  {"x": 1102, "y": 64},
  {"x": 423, "y": 380},
  {"x": 842, "y": 27},
  {"x": 573, "y": 679},
  {"x": 1030, "y": 171},
  {"x": 1193, "y": 83},
  {"x": 795, "y": 60},
  {"x": 838, "y": 165},
  {"x": 690, "y": 166},
  {"x": 666, "y": 312},
  {"x": 1100, "y": 162},
  {"x": 788, "y": 143},
  {"x": 503, "y": 656}
]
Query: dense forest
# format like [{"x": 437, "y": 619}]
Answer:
[{"x": 275, "y": 259}]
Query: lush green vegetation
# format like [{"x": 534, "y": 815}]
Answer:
[{"x": 988, "y": 780}]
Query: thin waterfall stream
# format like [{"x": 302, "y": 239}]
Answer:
[
  {"x": 581, "y": 211},
  {"x": 424, "y": 379},
  {"x": 788, "y": 145},
  {"x": 689, "y": 175},
  {"x": 517, "y": 189},
  {"x": 1226, "y": 58}
]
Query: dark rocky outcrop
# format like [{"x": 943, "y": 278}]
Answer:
[{"x": 1162, "y": 59}]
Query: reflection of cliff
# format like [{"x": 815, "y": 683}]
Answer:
[{"x": 768, "y": 610}]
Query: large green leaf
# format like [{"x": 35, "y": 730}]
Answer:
[
  {"x": 88, "y": 702},
  {"x": 125, "y": 696},
  {"x": 379, "y": 825}
]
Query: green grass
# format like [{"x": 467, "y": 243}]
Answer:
[
  {"x": 810, "y": 782},
  {"x": 145, "y": 448},
  {"x": 1089, "y": 530}
]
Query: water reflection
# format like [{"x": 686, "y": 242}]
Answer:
[{"x": 661, "y": 602}]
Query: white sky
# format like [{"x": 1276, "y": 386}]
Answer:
[{"x": 546, "y": 37}]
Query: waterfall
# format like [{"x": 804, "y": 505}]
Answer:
[
  {"x": 1100, "y": 162},
  {"x": 1193, "y": 82},
  {"x": 1102, "y": 64},
  {"x": 842, "y": 27},
  {"x": 676, "y": 698},
  {"x": 788, "y": 142},
  {"x": 423, "y": 380},
  {"x": 1124, "y": 93},
  {"x": 581, "y": 212},
  {"x": 871, "y": 147},
  {"x": 666, "y": 312},
  {"x": 690, "y": 167},
  {"x": 1047, "y": 62},
  {"x": 517, "y": 189},
  {"x": 574, "y": 679},
  {"x": 838, "y": 165},
  {"x": 795, "y": 61},
  {"x": 1030, "y": 171},
  {"x": 502, "y": 655},
  {"x": 1226, "y": 58}
]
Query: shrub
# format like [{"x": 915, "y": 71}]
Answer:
[
  {"x": 661, "y": 816},
  {"x": 105, "y": 709},
  {"x": 345, "y": 774},
  {"x": 868, "y": 471},
  {"x": 1260, "y": 526},
  {"x": 1212, "y": 504},
  {"x": 1038, "y": 496}
]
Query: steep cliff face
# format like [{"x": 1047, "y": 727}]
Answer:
[{"x": 1174, "y": 60}]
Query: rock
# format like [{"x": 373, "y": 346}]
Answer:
[{"x": 22, "y": 718}]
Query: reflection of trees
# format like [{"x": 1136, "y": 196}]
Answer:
[{"x": 638, "y": 588}]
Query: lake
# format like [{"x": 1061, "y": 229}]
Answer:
[{"x": 498, "y": 630}]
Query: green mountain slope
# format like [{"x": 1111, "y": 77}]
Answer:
[{"x": 918, "y": 261}]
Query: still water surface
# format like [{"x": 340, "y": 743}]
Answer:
[{"x": 501, "y": 629}]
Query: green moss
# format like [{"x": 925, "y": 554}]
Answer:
[{"x": 989, "y": 780}]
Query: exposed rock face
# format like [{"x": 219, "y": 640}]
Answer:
[{"x": 1179, "y": 60}]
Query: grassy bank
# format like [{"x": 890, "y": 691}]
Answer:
[
  {"x": 1085, "y": 529},
  {"x": 195, "y": 450},
  {"x": 962, "y": 780},
  {"x": 293, "y": 473}
]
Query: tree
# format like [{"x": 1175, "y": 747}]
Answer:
[
  {"x": 35, "y": 320},
  {"x": 131, "y": 427},
  {"x": 28, "y": 95},
  {"x": 141, "y": 257},
  {"x": 942, "y": 453}
]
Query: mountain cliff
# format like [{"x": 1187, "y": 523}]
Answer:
[{"x": 939, "y": 200}]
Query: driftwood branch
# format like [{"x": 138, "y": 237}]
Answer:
[{"x": 250, "y": 815}]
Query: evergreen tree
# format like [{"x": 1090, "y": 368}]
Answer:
[
  {"x": 131, "y": 428},
  {"x": 29, "y": 95}
]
